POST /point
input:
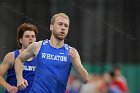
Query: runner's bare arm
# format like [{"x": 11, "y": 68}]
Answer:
[
  {"x": 76, "y": 62},
  {"x": 6, "y": 64},
  {"x": 26, "y": 54}
]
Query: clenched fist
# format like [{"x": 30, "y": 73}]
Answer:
[
  {"x": 22, "y": 84},
  {"x": 12, "y": 89}
]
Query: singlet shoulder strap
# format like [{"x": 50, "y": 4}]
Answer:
[
  {"x": 66, "y": 46},
  {"x": 44, "y": 42},
  {"x": 16, "y": 53}
]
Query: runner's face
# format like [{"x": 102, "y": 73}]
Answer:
[
  {"x": 28, "y": 38},
  {"x": 60, "y": 28}
]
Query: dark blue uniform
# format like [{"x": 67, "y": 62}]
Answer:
[{"x": 28, "y": 73}]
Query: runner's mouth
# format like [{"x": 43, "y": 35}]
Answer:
[
  {"x": 30, "y": 42},
  {"x": 62, "y": 33}
]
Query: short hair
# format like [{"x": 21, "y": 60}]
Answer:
[
  {"x": 24, "y": 27},
  {"x": 112, "y": 74},
  {"x": 116, "y": 67},
  {"x": 57, "y": 15}
]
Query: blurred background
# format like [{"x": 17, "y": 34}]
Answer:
[{"x": 105, "y": 32}]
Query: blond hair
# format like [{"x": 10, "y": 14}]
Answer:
[{"x": 57, "y": 15}]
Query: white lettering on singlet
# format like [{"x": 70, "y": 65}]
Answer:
[
  {"x": 29, "y": 68},
  {"x": 54, "y": 57}
]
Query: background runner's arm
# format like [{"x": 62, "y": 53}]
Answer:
[{"x": 6, "y": 64}]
